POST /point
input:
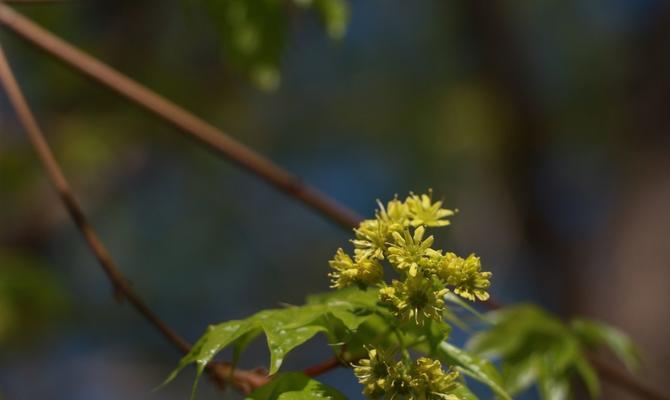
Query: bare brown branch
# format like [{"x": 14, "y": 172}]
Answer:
[
  {"x": 324, "y": 366},
  {"x": 121, "y": 285},
  {"x": 220, "y": 372},
  {"x": 209, "y": 135}
]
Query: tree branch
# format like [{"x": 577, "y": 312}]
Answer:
[
  {"x": 220, "y": 372},
  {"x": 324, "y": 366},
  {"x": 121, "y": 286},
  {"x": 207, "y": 134}
]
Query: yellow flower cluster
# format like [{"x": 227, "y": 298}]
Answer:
[
  {"x": 397, "y": 235},
  {"x": 431, "y": 382},
  {"x": 372, "y": 235},
  {"x": 465, "y": 276},
  {"x": 361, "y": 271},
  {"x": 415, "y": 299},
  {"x": 383, "y": 377}
]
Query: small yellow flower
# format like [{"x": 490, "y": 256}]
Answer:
[
  {"x": 371, "y": 237},
  {"x": 399, "y": 383},
  {"x": 362, "y": 272},
  {"x": 425, "y": 379},
  {"x": 465, "y": 276},
  {"x": 395, "y": 215},
  {"x": 431, "y": 382},
  {"x": 410, "y": 252},
  {"x": 373, "y": 373},
  {"x": 415, "y": 299},
  {"x": 422, "y": 211},
  {"x": 387, "y": 295}
]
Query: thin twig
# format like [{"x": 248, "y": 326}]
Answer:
[
  {"x": 121, "y": 286},
  {"x": 323, "y": 367},
  {"x": 212, "y": 137},
  {"x": 221, "y": 372},
  {"x": 215, "y": 139}
]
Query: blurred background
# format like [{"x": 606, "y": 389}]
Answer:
[{"x": 547, "y": 124}]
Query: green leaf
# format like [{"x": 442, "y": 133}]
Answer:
[
  {"x": 513, "y": 328},
  {"x": 428, "y": 337},
  {"x": 594, "y": 334},
  {"x": 452, "y": 298},
  {"x": 552, "y": 385},
  {"x": 562, "y": 352},
  {"x": 553, "y": 388},
  {"x": 288, "y": 328},
  {"x": 454, "y": 319},
  {"x": 557, "y": 363},
  {"x": 375, "y": 332},
  {"x": 253, "y": 33},
  {"x": 283, "y": 336},
  {"x": 463, "y": 393},
  {"x": 215, "y": 339},
  {"x": 284, "y": 329},
  {"x": 294, "y": 386},
  {"x": 534, "y": 346},
  {"x": 352, "y": 306},
  {"x": 335, "y": 16},
  {"x": 351, "y": 295},
  {"x": 520, "y": 374},
  {"x": 477, "y": 368},
  {"x": 588, "y": 375}
]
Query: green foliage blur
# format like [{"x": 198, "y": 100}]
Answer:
[
  {"x": 31, "y": 297},
  {"x": 253, "y": 33},
  {"x": 536, "y": 347}
]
